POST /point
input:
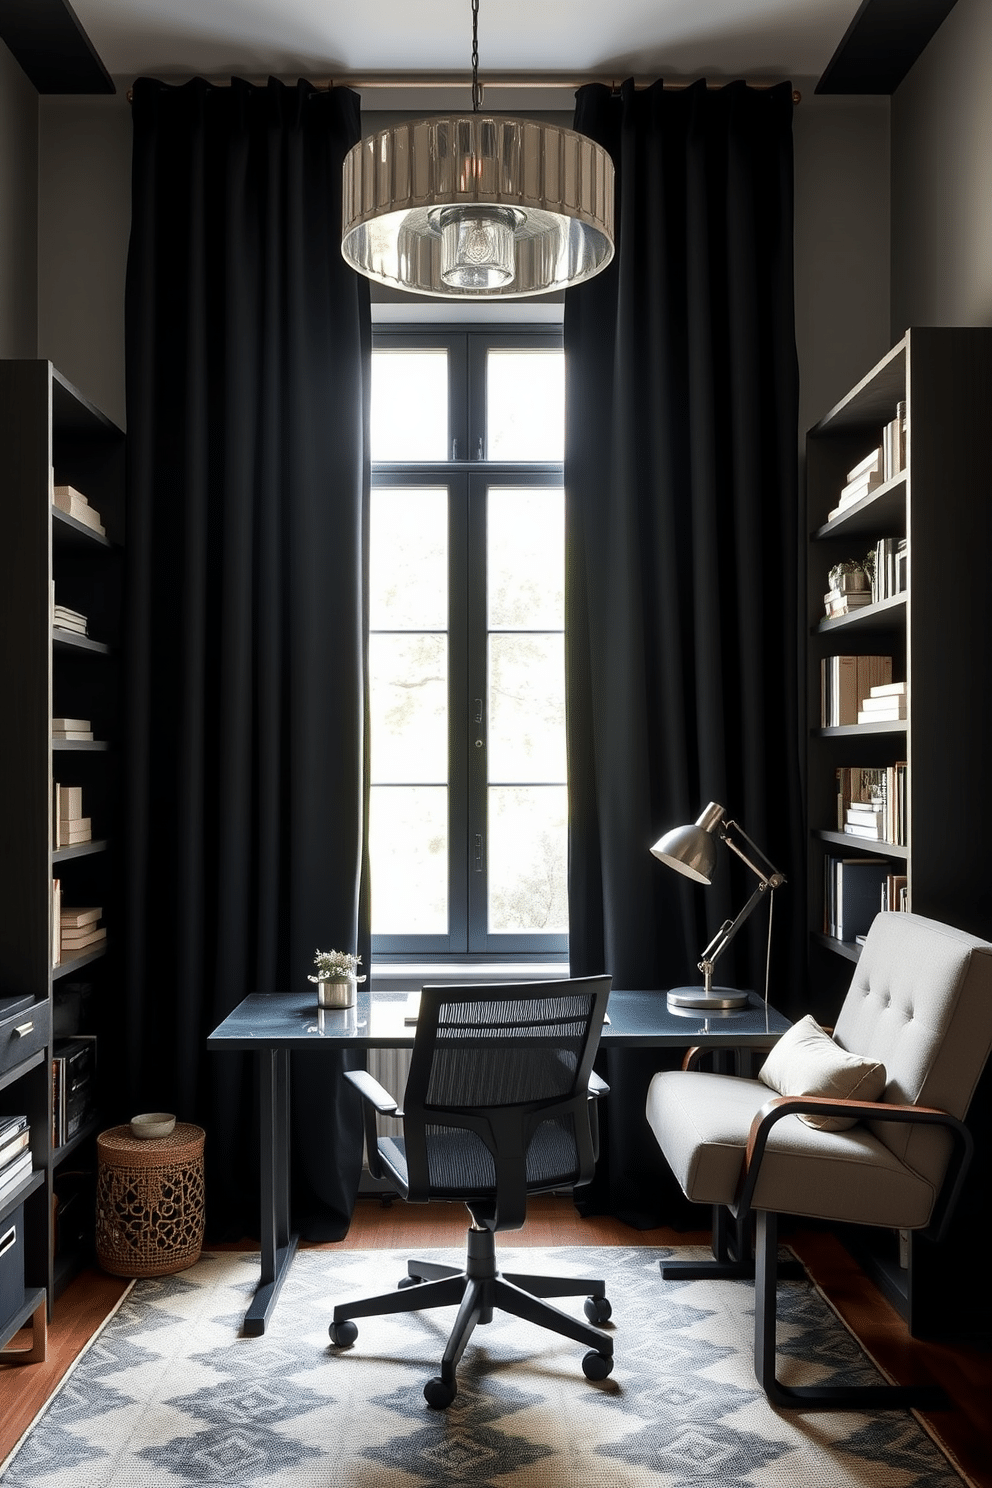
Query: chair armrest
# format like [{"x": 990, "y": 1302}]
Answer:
[
  {"x": 370, "y": 1090},
  {"x": 694, "y": 1056},
  {"x": 796, "y": 1105}
]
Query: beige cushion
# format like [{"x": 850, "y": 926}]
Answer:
[{"x": 806, "y": 1061}]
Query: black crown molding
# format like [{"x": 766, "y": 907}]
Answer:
[
  {"x": 881, "y": 44},
  {"x": 46, "y": 38}
]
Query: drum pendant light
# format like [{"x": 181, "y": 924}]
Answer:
[{"x": 477, "y": 206}]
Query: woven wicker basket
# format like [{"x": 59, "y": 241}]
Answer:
[{"x": 149, "y": 1201}]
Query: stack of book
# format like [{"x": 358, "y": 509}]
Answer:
[
  {"x": 885, "y": 703},
  {"x": 73, "y": 1086},
  {"x": 866, "y": 477},
  {"x": 871, "y": 802},
  {"x": 67, "y": 619},
  {"x": 844, "y": 602},
  {"x": 79, "y": 931},
  {"x": 852, "y": 894},
  {"x": 890, "y": 568},
  {"x": 15, "y": 1153},
  {"x": 71, "y": 728},
  {"x": 75, "y": 505},
  {"x": 69, "y": 825},
  {"x": 844, "y": 681}
]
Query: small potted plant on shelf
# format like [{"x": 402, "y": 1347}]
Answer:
[{"x": 337, "y": 978}]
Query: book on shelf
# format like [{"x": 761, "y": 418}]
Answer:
[
  {"x": 894, "y": 443},
  {"x": 71, "y": 833},
  {"x": 890, "y": 573},
  {"x": 67, "y": 811},
  {"x": 886, "y": 703},
  {"x": 80, "y": 735},
  {"x": 889, "y": 689},
  {"x": 895, "y": 892},
  {"x": 844, "y": 681},
  {"x": 871, "y": 832},
  {"x": 80, "y": 940},
  {"x": 870, "y": 465},
  {"x": 69, "y": 725},
  {"x": 837, "y": 603},
  {"x": 56, "y": 921},
  {"x": 75, "y": 918},
  {"x": 15, "y": 1173},
  {"x": 76, "y": 505},
  {"x": 852, "y": 888},
  {"x": 862, "y": 792},
  {"x": 894, "y": 714},
  {"x": 73, "y": 1086},
  {"x": 11, "y": 1126},
  {"x": 12, "y": 1148}
]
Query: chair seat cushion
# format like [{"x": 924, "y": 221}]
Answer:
[
  {"x": 461, "y": 1165},
  {"x": 806, "y": 1061},
  {"x": 702, "y": 1120}
]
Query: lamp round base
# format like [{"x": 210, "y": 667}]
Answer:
[{"x": 716, "y": 1000}]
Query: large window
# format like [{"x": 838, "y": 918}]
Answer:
[{"x": 468, "y": 835}]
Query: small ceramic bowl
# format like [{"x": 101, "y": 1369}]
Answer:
[{"x": 152, "y": 1124}]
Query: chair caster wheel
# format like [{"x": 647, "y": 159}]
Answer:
[
  {"x": 342, "y": 1334},
  {"x": 409, "y": 1281},
  {"x": 597, "y": 1366},
  {"x": 597, "y": 1309},
  {"x": 439, "y": 1395}
]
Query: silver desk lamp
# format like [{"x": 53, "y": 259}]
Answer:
[{"x": 692, "y": 850}]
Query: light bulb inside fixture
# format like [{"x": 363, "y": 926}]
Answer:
[{"x": 477, "y": 246}]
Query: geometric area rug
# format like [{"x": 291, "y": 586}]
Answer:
[{"x": 169, "y": 1395}]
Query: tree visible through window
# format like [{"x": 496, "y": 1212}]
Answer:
[{"x": 468, "y": 837}]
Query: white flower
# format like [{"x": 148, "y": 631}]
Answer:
[{"x": 336, "y": 966}]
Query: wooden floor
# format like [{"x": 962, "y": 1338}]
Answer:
[{"x": 966, "y": 1373}]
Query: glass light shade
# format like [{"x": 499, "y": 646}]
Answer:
[{"x": 413, "y": 190}]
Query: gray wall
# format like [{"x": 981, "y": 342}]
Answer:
[
  {"x": 942, "y": 178},
  {"x": 84, "y": 214},
  {"x": 842, "y": 245},
  {"x": 18, "y": 210}
]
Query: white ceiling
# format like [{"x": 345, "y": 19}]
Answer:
[{"x": 318, "y": 39}]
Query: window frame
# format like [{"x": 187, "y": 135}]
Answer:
[{"x": 467, "y": 475}]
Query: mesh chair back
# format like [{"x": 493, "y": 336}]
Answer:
[{"x": 498, "y": 1085}]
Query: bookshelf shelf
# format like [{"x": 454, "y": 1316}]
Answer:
[
  {"x": 941, "y": 645},
  {"x": 50, "y": 434},
  {"x": 64, "y": 640},
  {"x": 863, "y": 844}
]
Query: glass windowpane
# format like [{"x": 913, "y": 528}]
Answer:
[
  {"x": 526, "y": 708},
  {"x": 528, "y": 857},
  {"x": 408, "y": 562},
  {"x": 409, "y": 415},
  {"x": 525, "y": 404},
  {"x": 408, "y": 852},
  {"x": 525, "y": 537},
  {"x": 409, "y": 708}
]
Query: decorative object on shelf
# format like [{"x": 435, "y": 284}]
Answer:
[
  {"x": 337, "y": 978},
  {"x": 74, "y": 504},
  {"x": 692, "y": 850},
  {"x": 152, "y": 1124},
  {"x": 149, "y": 1201},
  {"x": 477, "y": 206},
  {"x": 851, "y": 586}
]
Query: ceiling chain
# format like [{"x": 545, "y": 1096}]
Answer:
[{"x": 476, "y": 86}]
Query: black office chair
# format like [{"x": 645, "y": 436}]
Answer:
[{"x": 500, "y": 1103}]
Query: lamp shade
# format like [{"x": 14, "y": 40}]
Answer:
[
  {"x": 477, "y": 206},
  {"x": 692, "y": 849}
]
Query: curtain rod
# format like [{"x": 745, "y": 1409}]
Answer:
[{"x": 550, "y": 82}]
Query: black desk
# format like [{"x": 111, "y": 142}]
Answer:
[{"x": 272, "y": 1025}]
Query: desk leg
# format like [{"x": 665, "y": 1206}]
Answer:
[{"x": 278, "y": 1245}]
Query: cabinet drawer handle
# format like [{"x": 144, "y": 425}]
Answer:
[
  {"x": 6, "y": 1241},
  {"x": 23, "y": 1029}
]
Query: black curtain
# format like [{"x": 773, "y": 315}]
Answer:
[
  {"x": 682, "y": 564},
  {"x": 248, "y": 355}
]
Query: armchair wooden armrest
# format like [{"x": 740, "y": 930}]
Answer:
[{"x": 796, "y": 1105}]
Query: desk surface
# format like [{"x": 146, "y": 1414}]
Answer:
[{"x": 637, "y": 1019}]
